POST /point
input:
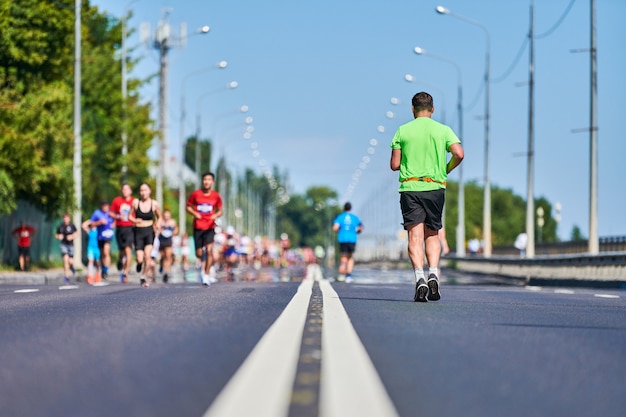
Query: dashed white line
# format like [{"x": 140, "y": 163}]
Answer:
[
  {"x": 68, "y": 287},
  {"x": 26, "y": 290},
  {"x": 563, "y": 292},
  {"x": 606, "y": 296}
]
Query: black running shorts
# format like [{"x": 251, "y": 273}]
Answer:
[
  {"x": 124, "y": 236},
  {"x": 144, "y": 236},
  {"x": 165, "y": 242},
  {"x": 202, "y": 238},
  {"x": 423, "y": 207},
  {"x": 347, "y": 248}
]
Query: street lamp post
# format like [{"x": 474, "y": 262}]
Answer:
[
  {"x": 487, "y": 186},
  {"x": 181, "y": 180},
  {"x": 77, "y": 162},
  {"x": 460, "y": 229}
]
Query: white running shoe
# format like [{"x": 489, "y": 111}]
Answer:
[
  {"x": 206, "y": 279},
  {"x": 212, "y": 274}
]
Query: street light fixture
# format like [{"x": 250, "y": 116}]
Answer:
[
  {"x": 460, "y": 230},
  {"x": 487, "y": 186}
]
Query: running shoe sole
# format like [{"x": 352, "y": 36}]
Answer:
[
  {"x": 433, "y": 289},
  {"x": 421, "y": 290}
]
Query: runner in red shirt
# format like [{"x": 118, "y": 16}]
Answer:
[
  {"x": 23, "y": 233},
  {"x": 205, "y": 205},
  {"x": 124, "y": 232}
]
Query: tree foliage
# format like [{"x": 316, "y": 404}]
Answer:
[
  {"x": 36, "y": 107},
  {"x": 310, "y": 216},
  {"x": 508, "y": 215},
  {"x": 206, "y": 153}
]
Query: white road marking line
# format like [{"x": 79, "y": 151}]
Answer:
[
  {"x": 533, "y": 288},
  {"x": 350, "y": 384},
  {"x": 68, "y": 287},
  {"x": 563, "y": 292},
  {"x": 262, "y": 386},
  {"x": 606, "y": 296},
  {"x": 27, "y": 290},
  {"x": 100, "y": 284}
]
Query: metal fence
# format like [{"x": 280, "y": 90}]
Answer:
[{"x": 43, "y": 244}]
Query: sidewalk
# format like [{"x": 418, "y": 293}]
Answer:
[
  {"x": 55, "y": 276},
  {"x": 39, "y": 277}
]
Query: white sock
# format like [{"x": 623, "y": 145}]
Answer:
[
  {"x": 419, "y": 274},
  {"x": 433, "y": 271}
]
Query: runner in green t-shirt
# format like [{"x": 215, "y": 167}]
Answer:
[{"x": 419, "y": 150}]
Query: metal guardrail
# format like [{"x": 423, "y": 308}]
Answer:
[{"x": 607, "y": 244}]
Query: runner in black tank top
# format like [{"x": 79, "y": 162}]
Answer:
[{"x": 144, "y": 230}]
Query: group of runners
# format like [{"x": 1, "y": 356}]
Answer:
[{"x": 139, "y": 224}]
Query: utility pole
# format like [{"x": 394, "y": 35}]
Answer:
[
  {"x": 594, "y": 245},
  {"x": 530, "y": 199},
  {"x": 78, "y": 160},
  {"x": 163, "y": 41}
]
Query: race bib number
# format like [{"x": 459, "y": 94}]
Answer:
[
  {"x": 124, "y": 212},
  {"x": 166, "y": 233},
  {"x": 205, "y": 208},
  {"x": 107, "y": 234}
]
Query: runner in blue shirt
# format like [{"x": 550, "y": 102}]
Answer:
[
  {"x": 347, "y": 226},
  {"x": 103, "y": 220}
]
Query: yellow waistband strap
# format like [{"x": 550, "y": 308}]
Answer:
[{"x": 424, "y": 179}]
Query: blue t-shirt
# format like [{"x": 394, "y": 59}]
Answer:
[
  {"x": 92, "y": 239},
  {"x": 105, "y": 231},
  {"x": 348, "y": 226}
]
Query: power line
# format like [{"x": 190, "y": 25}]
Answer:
[
  {"x": 558, "y": 23},
  {"x": 525, "y": 43},
  {"x": 513, "y": 64}
]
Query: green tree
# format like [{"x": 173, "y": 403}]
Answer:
[
  {"x": 577, "y": 235},
  {"x": 310, "y": 216},
  {"x": 36, "y": 106},
  {"x": 508, "y": 215},
  {"x": 206, "y": 153}
]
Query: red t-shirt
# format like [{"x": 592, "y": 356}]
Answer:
[
  {"x": 24, "y": 234},
  {"x": 121, "y": 206},
  {"x": 206, "y": 205}
]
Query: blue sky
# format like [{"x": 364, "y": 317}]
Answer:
[{"x": 318, "y": 78}]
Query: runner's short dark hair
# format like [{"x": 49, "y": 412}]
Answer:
[
  {"x": 347, "y": 206},
  {"x": 422, "y": 101},
  {"x": 212, "y": 175}
]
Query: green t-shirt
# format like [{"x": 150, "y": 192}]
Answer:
[{"x": 425, "y": 144}]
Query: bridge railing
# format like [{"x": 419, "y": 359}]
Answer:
[
  {"x": 607, "y": 244},
  {"x": 389, "y": 247}
]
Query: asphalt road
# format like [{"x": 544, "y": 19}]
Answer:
[{"x": 485, "y": 349}]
